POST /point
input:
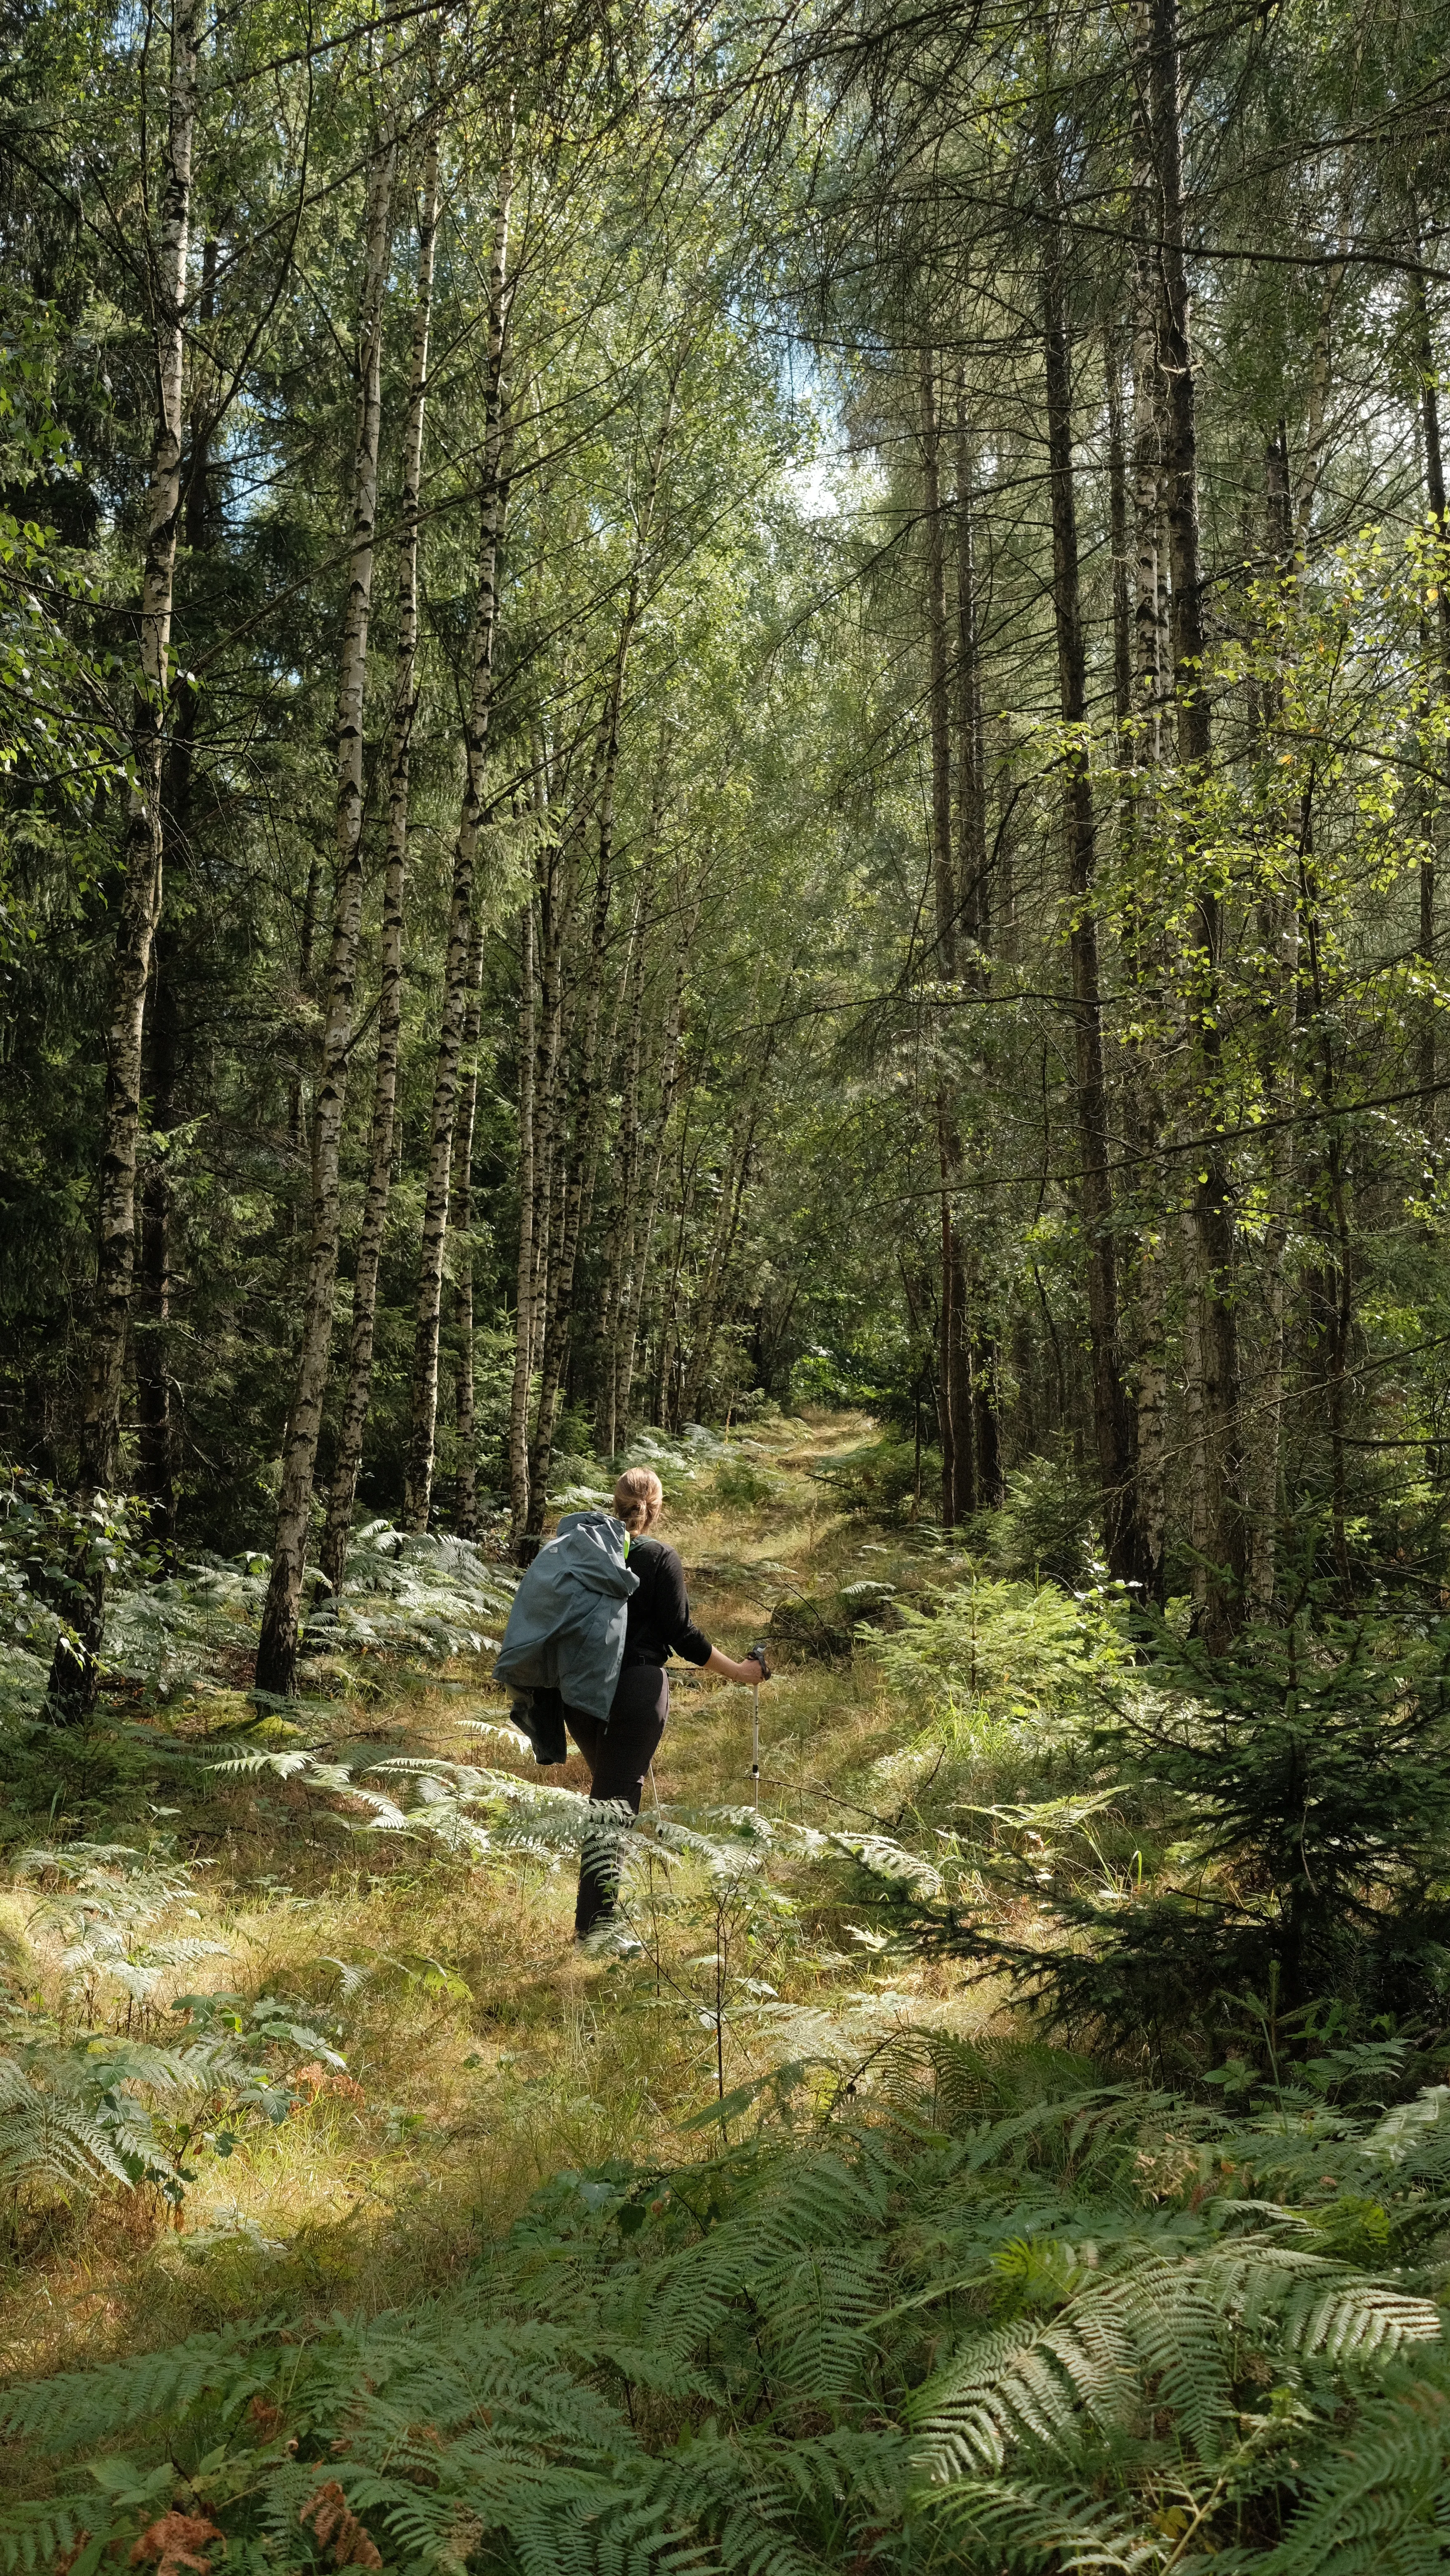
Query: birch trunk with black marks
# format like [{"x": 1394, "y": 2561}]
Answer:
[
  {"x": 390, "y": 991},
  {"x": 972, "y": 893},
  {"x": 938, "y": 699},
  {"x": 75, "y": 1668},
  {"x": 152, "y": 1324},
  {"x": 277, "y": 1647},
  {"x": 546, "y": 1094},
  {"x": 418, "y": 1484},
  {"x": 572, "y": 1166}
]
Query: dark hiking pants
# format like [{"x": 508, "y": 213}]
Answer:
[{"x": 619, "y": 1756}]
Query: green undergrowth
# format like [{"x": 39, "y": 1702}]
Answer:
[
  {"x": 975, "y": 2312},
  {"x": 825, "y": 2216}
]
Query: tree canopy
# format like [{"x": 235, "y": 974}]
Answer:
[{"x": 698, "y": 707}]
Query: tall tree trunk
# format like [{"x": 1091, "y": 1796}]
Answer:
[
  {"x": 622, "y": 1213},
  {"x": 974, "y": 910},
  {"x": 1213, "y": 1217},
  {"x": 948, "y": 1342},
  {"x": 465, "y": 1487},
  {"x": 418, "y": 1490},
  {"x": 953, "y": 1367},
  {"x": 980, "y": 1471},
  {"x": 390, "y": 992},
  {"x": 1142, "y": 744},
  {"x": 75, "y": 1670},
  {"x": 572, "y": 1169},
  {"x": 1333, "y": 1294},
  {"x": 1122, "y": 567},
  {"x": 546, "y": 1156},
  {"x": 524, "y": 1290},
  {"x": 636, "y": 1277},
  {"x": 1278, "y": 923},
  {"x": 151, "y": 1337},
  {"x": 599, "y": 800},
  {"x": 1435, "y": 495},
  {"x": 297, "y": 1086},
  {"x": 156, "y": 1461},
  {"x": 277, "y": 1647},
  {"x": 695, "y": 1374},
  {"x": 938, "y": 701},
  {"x": 1111, "y": 1419}
]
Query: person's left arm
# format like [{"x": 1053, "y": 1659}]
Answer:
[
  {"x": 749, "y": 1671},
  {"x": 683, "y": 1637}
]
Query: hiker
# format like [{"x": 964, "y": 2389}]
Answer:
[{"x": 658, "y": 1625}]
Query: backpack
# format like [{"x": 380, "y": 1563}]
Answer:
[{"x": 564, "y": 1643}]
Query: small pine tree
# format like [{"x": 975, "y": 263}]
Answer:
[{"x": 1312, "y": 1765}]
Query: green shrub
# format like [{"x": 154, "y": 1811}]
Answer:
[
  {"x": 1048, "y": 1524},
  {"x": 1005, "y": 1646},
  {"x": 1308, "y": 1774},
  {"x": 879, "y": 1479},
  {"x": 742, "y": 1482}
]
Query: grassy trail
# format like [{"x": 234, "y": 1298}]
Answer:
[{"x": 483, "y": 2051}]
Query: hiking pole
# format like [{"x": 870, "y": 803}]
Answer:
[
  {"x": 755, "y": 1740},
  {"x": 757, "y": 1655}
]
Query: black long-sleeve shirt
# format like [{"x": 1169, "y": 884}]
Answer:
[{"x": 658, "y": 1622}]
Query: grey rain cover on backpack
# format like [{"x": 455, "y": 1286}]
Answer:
[{"x": 565, "y": 1632}]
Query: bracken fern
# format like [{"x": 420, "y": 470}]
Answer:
[{"x": 1090, "y": 2331}]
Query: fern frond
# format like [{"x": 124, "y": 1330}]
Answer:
[
  {"x": 79, "y": 2408},
  {"x": 1379, "y": 2503},
  {"x": 45, "y": 2140},
  {"x": 1026, "y": 2524},
  {"x": 34, "y": 2537}
]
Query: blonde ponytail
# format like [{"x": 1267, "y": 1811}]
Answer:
[{"x": 638, "y": 1500}]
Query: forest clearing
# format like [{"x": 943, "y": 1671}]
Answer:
[{"x": 724, "y": 743}]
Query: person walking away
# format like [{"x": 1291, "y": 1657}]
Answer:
[{"x": 658, "y": 1624}]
